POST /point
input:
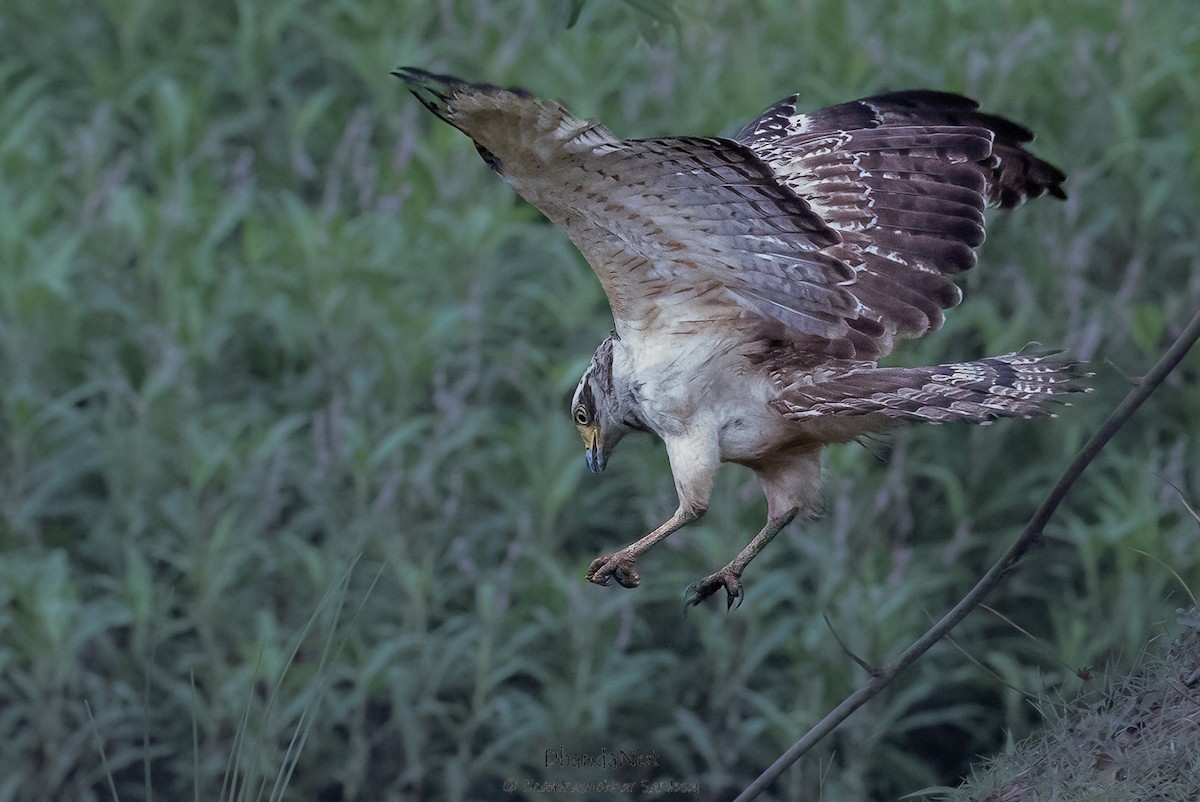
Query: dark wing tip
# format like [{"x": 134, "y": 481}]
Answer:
[
  {"x": 433, "y": 90},
  {"x": 924, "y": 99},
  {"x": 1018, "y": 175},
  {"x": 416, "y": 78},
  {"x": 411, "y": 74}
]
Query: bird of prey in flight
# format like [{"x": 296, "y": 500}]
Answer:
[{"x": 756, "y": 281}]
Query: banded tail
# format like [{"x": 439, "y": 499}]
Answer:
[{"x": 1006, "y": 386}]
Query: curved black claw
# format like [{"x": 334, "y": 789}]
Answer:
[
  {"x": 725, "y": 578},
  {"x": 619, "y": 566}
]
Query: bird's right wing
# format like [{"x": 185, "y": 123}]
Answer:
[
  {"x": 698, "y": 227},
  {"x": 827, "y": 234}
]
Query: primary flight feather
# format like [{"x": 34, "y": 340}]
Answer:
[{"x": 755, "y": 281}]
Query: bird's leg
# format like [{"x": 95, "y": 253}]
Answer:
[
  {"x": 791, "y": 481},
  {"x": 730, "y": 577},
  {"x": 619, "y": 566},
  {"x": 694, "y": 462}
]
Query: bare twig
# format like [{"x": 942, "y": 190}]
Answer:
[
  {"x": 863, "y": 664},
  {"x": 1033, "y": 531},
  {"x": 1183, "y": 499}
]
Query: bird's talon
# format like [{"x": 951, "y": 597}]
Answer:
[
  {"x": 735, "y": 596},
  {"x": 626, "y": 579},
  {"x": 725, "y": 578},
  {"x": 619, "y": 566}
]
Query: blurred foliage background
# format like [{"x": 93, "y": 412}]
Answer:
[{"x": 284, "y": 450}]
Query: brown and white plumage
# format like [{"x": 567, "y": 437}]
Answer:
[{"x": 755, "y": 281}]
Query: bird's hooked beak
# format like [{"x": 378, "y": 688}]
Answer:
[{"x": 593, "y": 454}]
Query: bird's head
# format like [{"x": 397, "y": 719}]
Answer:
[{"x": 603, "y": 410}]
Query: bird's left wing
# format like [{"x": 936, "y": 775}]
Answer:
[
  {"x": 700, "y": 226},
  {"x": 904, "y": 178}
]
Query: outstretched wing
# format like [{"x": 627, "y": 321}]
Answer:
[
  {"x": 904, "y": 178},
  {"x": 699, "y": 227},
  {"x": 833, "y": 229}
]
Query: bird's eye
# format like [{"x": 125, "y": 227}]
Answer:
[{"x": 581, "y": 415}]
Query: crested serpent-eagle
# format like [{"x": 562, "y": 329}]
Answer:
[{"x": 756, "y": 281}]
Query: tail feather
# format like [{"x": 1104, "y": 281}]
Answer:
[{"x": 1007, "y": 386}]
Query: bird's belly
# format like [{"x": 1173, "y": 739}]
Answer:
[
  {"x": 689, "y": 384},
  {"x": 735, "y": 410},
  {"x": 747, "y": 428},
  {"x": 753, "y": 433}
]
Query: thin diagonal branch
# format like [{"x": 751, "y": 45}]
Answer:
[{"x": 1032, "y": 532}]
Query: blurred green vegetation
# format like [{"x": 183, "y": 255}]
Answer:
[{"x": 262, "y": 315}]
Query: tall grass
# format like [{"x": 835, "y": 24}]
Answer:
[{"x": 259, "y": 315}]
